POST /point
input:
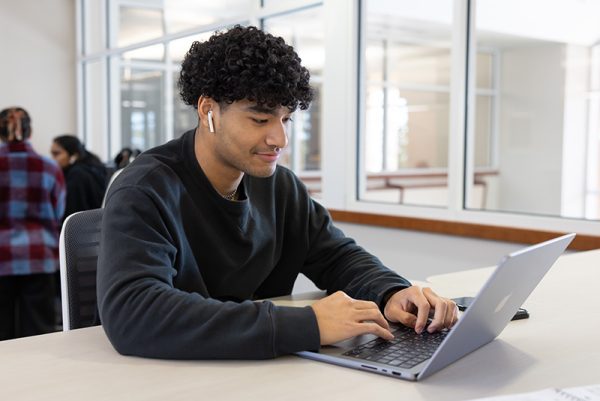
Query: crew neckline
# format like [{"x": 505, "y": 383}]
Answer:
[{"x": 189, "y": 157}]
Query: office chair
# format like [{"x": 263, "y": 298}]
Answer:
[{"x": 78, "y": 248}]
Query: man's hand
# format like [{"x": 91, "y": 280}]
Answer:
[
  {"x": 340, "y": 317},
  {"x": 413, "y": 306}
]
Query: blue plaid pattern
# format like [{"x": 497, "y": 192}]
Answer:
[{"x": 32, "y": 203}]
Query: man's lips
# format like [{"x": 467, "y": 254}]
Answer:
[{"x": 268, "y": 157}]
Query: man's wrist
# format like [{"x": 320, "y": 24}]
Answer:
[{"x": 387, "y": 295}]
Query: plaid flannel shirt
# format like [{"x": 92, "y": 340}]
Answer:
[{"x": 32, "y": 202}]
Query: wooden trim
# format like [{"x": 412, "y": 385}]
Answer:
[{"x": 498, "y": 233}]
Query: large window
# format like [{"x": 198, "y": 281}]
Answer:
[
  {"x": 544, "y": 152},
  {"x": 407, "y": 63},
  {"x": 456, "y": 110},
  {"x": 407, "y": 57}
]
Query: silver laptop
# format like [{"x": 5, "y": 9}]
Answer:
[{"x": 412, "y": 356}]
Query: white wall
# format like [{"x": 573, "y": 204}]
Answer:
[{"x": 37, "y": 67}]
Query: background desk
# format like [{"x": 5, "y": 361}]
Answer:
[{"x": 557, "y": 346}]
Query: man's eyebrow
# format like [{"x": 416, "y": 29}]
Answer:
[{"x": 257, "y": 108}]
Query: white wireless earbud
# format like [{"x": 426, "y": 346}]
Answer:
[{"x": 211, "y": 126}]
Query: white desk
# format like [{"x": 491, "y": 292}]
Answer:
[{"x": 82, "y": 365}]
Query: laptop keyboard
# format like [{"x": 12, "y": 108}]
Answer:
[{"x": 406, "y": 350}]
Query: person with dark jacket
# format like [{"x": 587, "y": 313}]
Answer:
[
  {"x": 197, "y": 231},
  {"x": 85, "y": 174}
]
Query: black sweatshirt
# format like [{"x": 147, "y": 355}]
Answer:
[{"x": 180, "y": 266}]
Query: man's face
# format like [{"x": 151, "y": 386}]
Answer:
[{"x": 250, "y": 138}]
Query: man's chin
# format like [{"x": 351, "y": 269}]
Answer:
[{"x": 263, "y": 172}]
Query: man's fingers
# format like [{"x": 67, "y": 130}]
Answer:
[
  {"x": 412, "y": 307},
  {"x": 372, "y": 315},
  {"x": 445, "y": 311},
  {"x": 439, "y": 317},
  {"x": 451, "y": 315},
  {"x": 340, "y": 317},
  {"x": 423, "y": 308},
  {"x": 374, "y": 328},
  {"x": 406, "y": 318},
  {"x": 439, "y": 310}
]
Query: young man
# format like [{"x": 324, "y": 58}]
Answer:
[
  {"x": 32, "y": 203},
  {"x": 195, "y": 230}
]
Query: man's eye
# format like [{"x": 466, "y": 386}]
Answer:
[
  {"x": 259, "y": 120},
  {"x": 288, "y": 119}
]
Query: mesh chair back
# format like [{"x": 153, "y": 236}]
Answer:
[{"x": 79, "y": 243}]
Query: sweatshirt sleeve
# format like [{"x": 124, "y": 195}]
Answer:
[
  {"x": 143, "y": 313},
  {"x": 335, "y": 262}
]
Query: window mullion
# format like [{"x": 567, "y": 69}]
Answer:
[{"x": 462, "y": 57}]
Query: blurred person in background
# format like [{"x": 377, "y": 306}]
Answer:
[
  {"x": 32, "y": 202},
  {"x": 85, "y": 174},
  {"x": 121, "y": 160},
  {"x": 125, "y": 156}
]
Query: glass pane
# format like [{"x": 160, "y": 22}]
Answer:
[
  {"x": 304, "y": 149},
  {"x": 185, "y": 117},
  {"x": 545, "y": 142},
  {"x": 153, "y": 19},
  {"x": 407, "y": 133},
  {"x": 375, "y": 66},
  {"x": 418, "y": 64},
  {"x": 405, "y": 136},
  {"x": 142, "y": 105},
  {"x": 137, "y": 24},
  {"x": 406, "y": 145},
  {"x": 484, "y": 72},
  {"x": 179, "y": 47},
  {"x": 306, "y": 129},
  {"x": 483, "y": 131},
  {"x": 304, "y": 30},
  {"x": 186, "y": 14}
]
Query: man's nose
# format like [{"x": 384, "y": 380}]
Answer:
[{"x": 278, "y": 135}]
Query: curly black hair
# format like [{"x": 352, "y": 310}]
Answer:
[{"x": 245, "y": 63}]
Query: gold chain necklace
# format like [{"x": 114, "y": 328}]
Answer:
[{"x": 232, "y": 196}]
